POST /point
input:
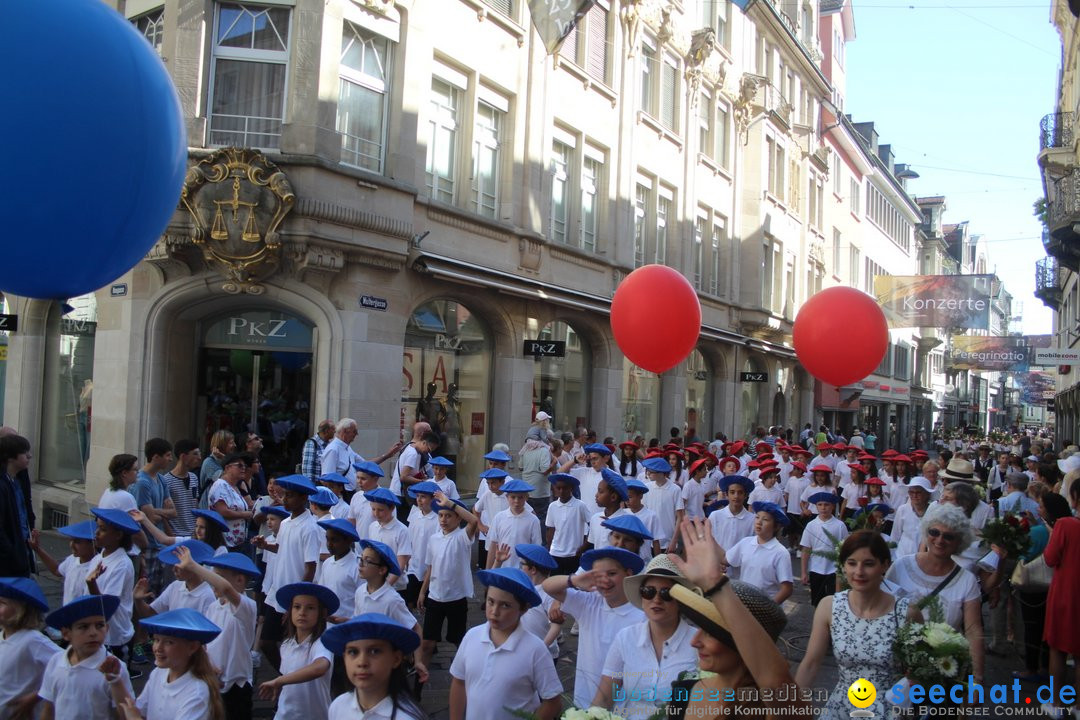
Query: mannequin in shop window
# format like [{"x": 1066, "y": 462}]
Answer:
[
  {"x": 430, "y": 409},
  {"x": 450, "y": 424}
]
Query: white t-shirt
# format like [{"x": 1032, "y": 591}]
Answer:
[
  {"x": 775, "y": 494},
  {"x": 24, "y": 655},
  {"x": 763, "y": 565},
  {"x": 74, "y": 573},
  {"x": 409, "y": 457},
  {"x": 345, "y": 707},
  {"x": 339, "y": 457},
  {"x": 631, "y": 662},
  {"x": 230, "y": 652},
  {"x": 421, "y": 528},
  {"x": 536, "y": 621},
  {"x": 80, "y": 691},
  {"x": 510, "y": 529},
  {"x": 519, "y": 672},
  {"x": 360, "y": 514},
  {"x": 795, "y": 488},
  {"x": 728, "y": 529},
  {"x": 186, "y": 698},
  {"x": 396, "y": 535},
  {"x": 598, "y": 624},
  {"x": 118, "y": 579},
  {"x": 222, "y": 491},
  {"x": 598, "y": 534},
  {"x": 651, "y": 522},
  {"x": 590, "y": 483},
  {"x": 571, "y": 522},
  {"x": 693, "y": 498},
  {"x": 448, "y": 488},
  {"x": 385, "y": 600},
  {"x": 299, "y": 542},
  {"x": 905, "y": 530},
  {"x": 665, "y": 500},
  {"x": 814, "y": 538},
  {"x": 915, "y": 585},
  {"x": 117, "y": 500},
  {"x": 342, "y": 576},
  {"x": 176, "y": 595},
  {"x": 308, "y": 700},
  {"x": 488, "y": 506},
  {"x": 449, "y": 556}
]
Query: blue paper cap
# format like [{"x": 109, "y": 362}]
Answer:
[
  {"x": 536, "y": 555},
  {"x": 183, "y": 623},
  {"x": 118, "y": 519},
  {"x": 436, "y": 506},
  {"x": 881, "y": 507},
  {"x": 334, "y": 478},
  {"x": 368, "y": 467},
  {"x": 615, "y": 482},
  {"x": 439, "y": 460},
  {"x": 597, "y": 448},
  {"x": 494, "y": 474},
  {"x": 657, "y": 464},
  {"x": 385, "y": 552},
  {"x": 427, "y": 486},
  {"x": 323, "y": 594},
  {"x": 384, "y": 496},
  {"x": 824, "y": 497},
  {"x": 213, "y": 516},
  {"x": 773, "y": 509},
  {"x": 370, "y": 626},
  {"x": 513, "y": 581},
  {"x": 324, "y": 497},
  {"x": 200, "y": 552},
  {"x": 297, "y": 483},
  {"x": 628, "y": 524},
  {"x": 235, "y": 561},
  {"x": 83, "y": 607},
  {"x": 24, "y": 590},
  {"x": 564, "y": 477},
  {"x": 631, "y": 561},
  {"x": 79, "y": 531},
  {"x": 746, "y": 483},
  {"x": 497, "y": 456},
  {"x": 341, "y": 525},
  {"x": 635, "y": 484},
  {"x": 516, "y": 486},
  {"x": 276, "y": 510}
]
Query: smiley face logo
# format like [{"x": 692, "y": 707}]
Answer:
[{"x": 862, "y": 693}]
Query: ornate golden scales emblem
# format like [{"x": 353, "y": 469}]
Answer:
[{"x": 237, "y": 200}]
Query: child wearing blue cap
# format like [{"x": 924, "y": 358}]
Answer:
[
  {"x": 302, "y": 691},
  {"x": 337, "y": 484},
  {"x": 235, "y": 613},
  {"x": 537, "y": 563},
  {"x": 319, "y": 504},
  {"x": 187, "y": 590},
  {"x": 589, "y": 475},
  {"x": 184, "y": 683},
  {"x": 761, "y": 560},
  {"x": 387, "y": 529},
  {"x": 637, "y": 490},
  {"x": 597, "y": 600},
  {"x": 820, "y": 572},
  {"x": 209, "y": 528},
  {"x": 489, "y": 503},
  {"x": 374, "y": 648},
  {"x": 73, "y": 688},
  {"x": 567, "y": 522},
  {"x": 610, "y": 495},
  {"x": 733, "y": 523},
  {"x": 75, "y": 567},
  {"x": 665, "y": 499},
  {"x": 367, "y": 480},
  {"x": 340, "y": 570},
  {"x": 440, "y": 466},
  {"x": 112, "y": 573},
  {"x": 448, "y": 585},
  {"x": 26, "y": 652},
  {"x": 502, "y": 658},
  {"x": 423, "y": 523},
  {"x": 513, "y": 526}
]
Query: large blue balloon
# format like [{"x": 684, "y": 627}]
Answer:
[{"x": 95, "y": 149}]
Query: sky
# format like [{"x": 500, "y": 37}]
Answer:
[{"x": 958, "y": 87}]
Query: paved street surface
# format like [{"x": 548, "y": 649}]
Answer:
[{"x": 436, "y": 694}]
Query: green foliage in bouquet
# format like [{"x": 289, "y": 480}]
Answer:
[
  {"x": 1010, "y": 531},
  {"x": 932, "y": 652}
]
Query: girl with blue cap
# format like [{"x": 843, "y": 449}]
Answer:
[
  {"x": 374, "y": 649},
  {"x": 504, "y": 658},
  {"x": 75, "y": 567},
  {"x": 73, "y": 688},
  {"x": 26, "y": 651},
  {"x": 302, "y": 691},
  {"x": 184, "y": 683}
]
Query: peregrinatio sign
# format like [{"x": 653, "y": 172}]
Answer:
[{"x": 942, "y": 301}]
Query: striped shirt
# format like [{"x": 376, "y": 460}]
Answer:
[{"x": 185, "y": 496}]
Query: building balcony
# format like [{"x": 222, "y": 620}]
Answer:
[
  {"x": 1050, "y": 280},
  {"x": 1063, "y": 220},
  {"x": 1057, "y": 154}
]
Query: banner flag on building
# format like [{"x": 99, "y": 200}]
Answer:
[
  {"x": 938, "y": 301},
  {"x": 1036, "y": 388},
  {"x": 555, "y": 19},
  {"x": 1012, "y": 353}
]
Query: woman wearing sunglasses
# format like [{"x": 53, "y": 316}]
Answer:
[
  {"x": 647, "y": 657},
  {"x": 945, "y": 531}
]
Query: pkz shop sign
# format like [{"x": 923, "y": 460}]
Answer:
[{"x": 261, "y": 329}]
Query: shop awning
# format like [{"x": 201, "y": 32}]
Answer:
[{"x": 461, "y": 271}]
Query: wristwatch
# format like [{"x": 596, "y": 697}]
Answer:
[{"x": 717, "y": 587}]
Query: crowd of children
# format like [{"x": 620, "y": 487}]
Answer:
[{"x": 341, "y": 582}]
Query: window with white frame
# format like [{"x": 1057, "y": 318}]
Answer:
[
  {"x": 562, "y": 160},
  {"x": 721, "y": 130},
  {"x": 443, "y": 138},
  {"x": 705, "y": 115},
  {"x": 664, "y": 200},
  {"x": 491, "y": 110},
  {"x": 250, "y": 64},
  {"x": 854, "y": 266},
  {"x": 577, "y": 195},
  {"x": 772, "y": 274},
  {"x": 719, "y": 247},
  {"x": 837, "y": 175},
  {"x": 152, "y": 27},
  {"x": 855, "y": 197},
  {"x": 701, "y": 228},
  {"x": 808, "y": 29},
  {"x": 506, "y": 7},
  {"x": 836, "y": 240},
  {"x": 642, "y": 201},
  {"x": 589, "y": 44},
  {"x": 815, "y": 204},
  {"x": 592, "y": 170},
  {"x": 659, "y": 85},
  {"x": 650, "y": 76},
  {"x": 777, "y": 163},
  {"x": 364, "y": 91},
  {"x": 789, "y": 286},
  {"x": 716, "y": 14}
]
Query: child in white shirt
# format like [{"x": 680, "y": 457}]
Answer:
[
  {"x": 387, "y": 529},
  {"x": 340, "y": 571},
  {"x": 76, "y": 566},
  {"x": 513, "y": 526},
  {"x": 423, "y": 523},
  {"x": 636, "y": 505},
  {"x": 567, "y": 522},
  {"x": 762, "y": 561},
  {"x": 26, "y": 650},
  {"x": 819, "y": 572},
  {"x": 665, "y": 499}
]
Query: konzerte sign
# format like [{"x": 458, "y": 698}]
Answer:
[{"x": 941, "y": 301}]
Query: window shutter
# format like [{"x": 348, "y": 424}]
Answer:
[
  {"x": 569, "y": 47},
  {"x": 596, "y": 43},
  {"x": 669, "y": 94},
  {"x": 503, "y": 6}
]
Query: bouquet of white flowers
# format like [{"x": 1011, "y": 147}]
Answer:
[
  {"x": 573, "y": 713},
  {"x": 932, "y": 653}
]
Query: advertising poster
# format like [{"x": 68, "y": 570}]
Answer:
[
  {"x": 939, "y": 301},
  {"x": 1013, "y": 353}
]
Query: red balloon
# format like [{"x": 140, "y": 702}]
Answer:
[
  {"x": 840, "y": 335},
  {"x": 656, "y": 317}
]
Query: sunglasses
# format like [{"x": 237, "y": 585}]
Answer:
[
  {"x": 648, "y": 592},
  {"x": 365, "y": 561},
  {"x": 946, "y": 536}
]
